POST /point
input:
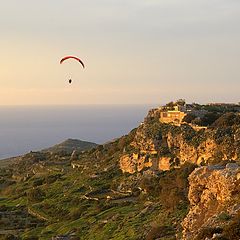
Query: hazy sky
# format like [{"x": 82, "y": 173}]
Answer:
[{"x": 135, "y": 51}]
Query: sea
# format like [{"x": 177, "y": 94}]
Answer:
[{"x": 33, "y": 128}]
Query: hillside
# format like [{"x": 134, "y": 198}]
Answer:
[
  {"x": 64, "y": 148},
  {"x": 7, "y": 162},
  {"x": 69, "y": 145},
  {"x": 136, "y": 187}
]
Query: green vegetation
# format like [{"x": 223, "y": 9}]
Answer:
[
  {"x": 231, "y": 231},
  {"x": 97, "y": 203},
  {"x": 69, "y": 145},
  {"x": 43, "y": 196}
]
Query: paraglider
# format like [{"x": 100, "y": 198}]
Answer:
[
  {"x": 74, "y": 58},
  {"x": 69, "y": 57}
]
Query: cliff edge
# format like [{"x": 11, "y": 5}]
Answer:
[
  {"x": 214, "y": 195},
  {"x": 162, "y": 146}
]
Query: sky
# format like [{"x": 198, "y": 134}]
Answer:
[{"x": 135, "y": 51}]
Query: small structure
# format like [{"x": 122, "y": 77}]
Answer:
[
  {"x": 175, "y": 112},
  {"x": 173, "y": 116}
]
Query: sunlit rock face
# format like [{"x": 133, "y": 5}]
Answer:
[
  {"x": 213, "y": 193},
  {"x": 132, "y": 163},
  {"x": 128, "y": 164},
  {"x": 162, "y": 146}
]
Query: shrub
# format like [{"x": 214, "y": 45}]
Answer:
[
  {"x": 207, "y": 232},
  {"x": 151, "y": 185},
  {"x": 52, "y": 178},
  {"x": 224, "y": 216},
  {"x": 9, "y": 237},
  {"x": 159, "y": 232},
  {"x": 209, "y": 118},
  {"x": 232, "y": 230},
  {"x": 35, "y": 195},
  {"x": 226, "y": 120},
  {"x": 38, "y": 182},
  {"x": 189, "y": 118},
  {"x": 75, "y": 214}
]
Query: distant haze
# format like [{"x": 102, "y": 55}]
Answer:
[
  {"x": 23, "y": 129},
  {"x": 135, "y": 51}
]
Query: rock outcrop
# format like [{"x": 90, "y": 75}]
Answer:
[
  {"x": 164, "y": 146},
  {"x": 214, "y": 200}
]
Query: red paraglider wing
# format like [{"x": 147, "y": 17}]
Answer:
[{"x": 67, "y": 57}]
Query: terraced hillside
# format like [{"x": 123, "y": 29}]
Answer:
[
  {"x": 91, "y": 194},
  {"x": 95, "y": 200}
]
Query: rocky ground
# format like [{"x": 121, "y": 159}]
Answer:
[{"x": 214, "y": 196}]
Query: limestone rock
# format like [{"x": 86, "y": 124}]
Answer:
[
  {"x": 132, "y": 163},
  {"x": 164, "y": 146},
  {"x": 212, "y": 192}
]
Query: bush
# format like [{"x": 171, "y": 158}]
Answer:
[
  {"x": 209, "y": 118},
  {"x": 75, "y": 214},
  {"x": 232, "y": 230},
  {"x": 189, "y": 118},
  {"x": 35, "y": 195},
  {"x": 170, "y": 187},
  {"x": 224, "y": 216},
  {"x": 207, "y": 232},
  {"x": 226, "y": 120},
  {"x": 174, "y": 187},
  {"x": 151, "y": 185},
  {"x": 38, "y": 182},
  {"x": 159, "y": 232},
  {"x": 9, "y": 237},
  {"x": 52, "y": 178}
]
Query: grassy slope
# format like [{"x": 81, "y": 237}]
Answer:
[
  {"x": 6, "y": 162},
  {"x": 97, "y": 201},
  {"x": 66, "y": 146},
  {"x": 71, "y": 144}
]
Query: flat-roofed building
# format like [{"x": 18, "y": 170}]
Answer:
[{"x": 173, "y": 116}]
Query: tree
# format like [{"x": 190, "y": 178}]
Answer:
[
  {"x": 189, "y": 118},
  {"x": 209, "y": 118},
  {"x": 180, "y": 102},
  {"x": 35, "y": 195},
  {"x": 227, "y": 120}
]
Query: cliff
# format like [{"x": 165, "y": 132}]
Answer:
[
  {"x": 214, "y": 196},
  {"x": 161, "y": 146}
]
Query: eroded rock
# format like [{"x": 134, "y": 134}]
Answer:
[{"x": 212, "y": 194}]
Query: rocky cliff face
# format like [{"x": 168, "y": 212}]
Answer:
[
  {"x": 163, "y": 146},
  {"x": 214, "y": 202}
]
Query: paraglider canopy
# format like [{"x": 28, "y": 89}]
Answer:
[
  {"x": 75, "y": 59},
  {"x": 72, "y": 57}
]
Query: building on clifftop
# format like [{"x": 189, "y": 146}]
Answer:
[
  {"x": 175, "y": 115},
  {"x": 174, "y": 112}
]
